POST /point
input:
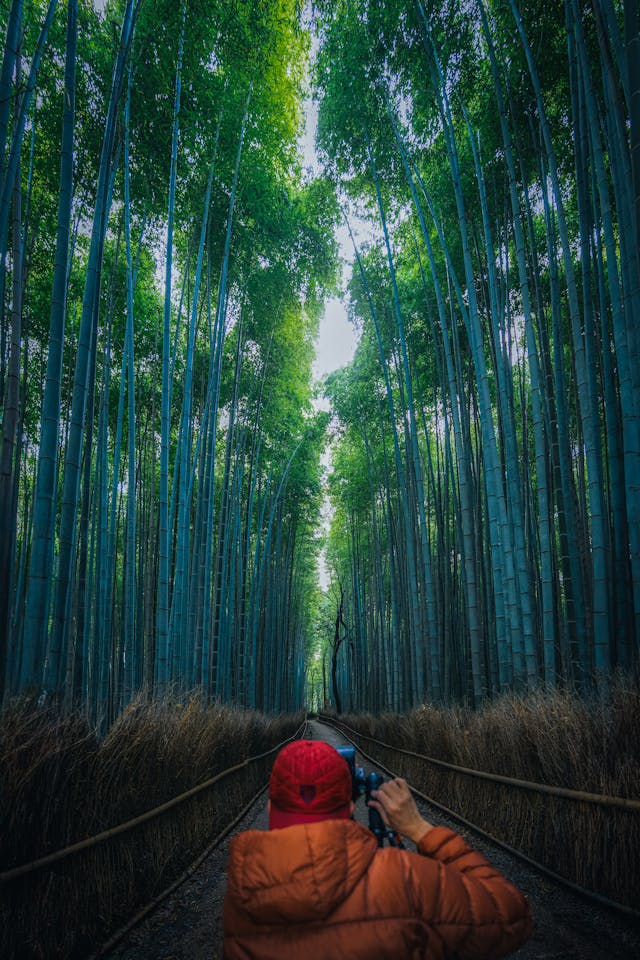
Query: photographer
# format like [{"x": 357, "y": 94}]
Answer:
[{"x": 317, "y": 885}]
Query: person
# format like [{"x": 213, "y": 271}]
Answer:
[{"x": 317, "y": 886}]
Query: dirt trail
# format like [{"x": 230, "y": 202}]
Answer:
[{"x": 188, "y": 925}]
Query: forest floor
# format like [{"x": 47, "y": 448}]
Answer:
[{"x": 188, "y": 925}]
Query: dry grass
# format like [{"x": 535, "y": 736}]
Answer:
[
  {"x": 59, "y": 784},
  {"x": 550, "y": 737}
]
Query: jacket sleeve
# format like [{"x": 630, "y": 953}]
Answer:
[{"x": 474, "y": 909}]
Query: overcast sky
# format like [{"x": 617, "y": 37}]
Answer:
[{"x": 337, "y": 338}]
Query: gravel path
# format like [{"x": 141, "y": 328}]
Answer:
[{"x": 188, "y": 926}]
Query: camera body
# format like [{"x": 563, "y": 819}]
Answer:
[
  {"x": 358, "y": 779},
  {"x": 363, "y": 785}
]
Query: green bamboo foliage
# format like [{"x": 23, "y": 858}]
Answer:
[
  {"x": 40, "y": 571},
  {"x": 516, "y": 284},
  {"x": 160, "y": 467},
  {"x": 6, "y": 74},
  {"x": 129, "y": 614},
  {"x": 59, "y": 637},
  {"x": 161, "y": 665},
  {"x": 128, "y": 526}
]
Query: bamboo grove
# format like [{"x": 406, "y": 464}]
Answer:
[
  {"x": 486, "y": 533},
  {"x": 163, "y": 262},
  {"x": 164, "y": 259}
]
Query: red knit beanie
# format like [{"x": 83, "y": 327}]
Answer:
[{"x": 309, "y": 781}]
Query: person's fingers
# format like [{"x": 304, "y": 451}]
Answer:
[
  {"x": 395, "y": 803},
  {"x": 388, "y": 788},
  {"x": 394, "y": 791},
  {"x": 396, "y": 786}
]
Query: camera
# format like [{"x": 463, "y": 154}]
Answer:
[
  {"x": 358, "y": 779},
  {"x": 363, "y": 785}
]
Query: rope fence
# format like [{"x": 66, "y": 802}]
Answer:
[
  {"x": 557, "y": 877},
  {"x": 587, "y": 844},
  {"x": 65, "y": 902},
  {"x": 134, "y": 921},
  {"x": 7, "y": 875},
  {"x": 599, "y": 799}
]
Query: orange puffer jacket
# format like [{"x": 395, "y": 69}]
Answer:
[{"x": 325, "y": 891}]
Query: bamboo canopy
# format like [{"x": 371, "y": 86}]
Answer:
[{"x": 165, "y": 258}]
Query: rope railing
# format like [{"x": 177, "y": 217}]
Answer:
[
  {"x": 7, "y": 875},
  {"x": 601, "y": 800},
  {"x": 554, "y": 875},
  {"x": 133, "y": 922}
]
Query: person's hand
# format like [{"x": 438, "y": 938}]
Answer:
[{"x": 398, "y": 809}]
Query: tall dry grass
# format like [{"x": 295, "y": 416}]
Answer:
[
  {"x": 551, "y": 737},
  {"x": 59, "y": 784}
]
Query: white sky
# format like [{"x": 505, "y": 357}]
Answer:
[
  {"x": 337, "y": 338},
  {"x": 336, "y": 341}
]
